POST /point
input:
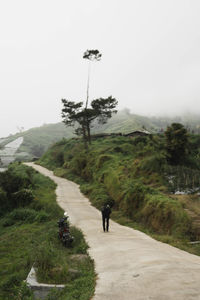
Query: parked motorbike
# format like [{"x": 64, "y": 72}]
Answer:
[{"x": 64, "y": 231}]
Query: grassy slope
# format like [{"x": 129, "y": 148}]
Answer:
[
  {"x": 128, "y": 173},
  {"x": 124, "y": 122},
  {"x": 45, "y": 135},
  {"x": 40, "y": 138},
  {"x": 29, "y": 235}
]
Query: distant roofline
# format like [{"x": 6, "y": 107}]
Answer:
[{"x": 138, "y": 131}]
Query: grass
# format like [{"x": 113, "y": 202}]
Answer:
[
  {"x": 130, "y": 174},
  {"x": 181, "y": 243},
  {"x": 28, "y": 235}
]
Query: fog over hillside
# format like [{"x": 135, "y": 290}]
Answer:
[{"x": 150, "y": 57}]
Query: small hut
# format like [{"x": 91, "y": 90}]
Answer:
[{"x": 138, "y": 133}]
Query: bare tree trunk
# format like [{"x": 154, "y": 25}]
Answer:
[
  {"x": 88, "y": 132},
  {"x": 84, "y": 137},
  {"x": 88, "y": 85}
]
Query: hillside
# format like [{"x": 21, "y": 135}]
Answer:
[
  {"x": 37, "y": 140},
  {"x": 134, "y": 176}
]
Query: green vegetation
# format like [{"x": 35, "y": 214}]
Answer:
[
  {"x": 176, "y": 143},
  {"x": 100, "y": 111},
  {"x": 38, "y": 140},
  {"x": 28, "y": 235},
  {"x": 135, "y": 177}
]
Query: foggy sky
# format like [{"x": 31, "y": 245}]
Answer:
[{"x": 150, "y": 57}]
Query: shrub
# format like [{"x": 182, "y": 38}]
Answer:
[
  {"x": 98, "y": 195},
  {"x": 78, "y": 163},
  {"x": 114, "y": 184},
  {"x": 79, "y": 244},
  {"x": 102, "y": 159},
  {"x": 45, "y": 256},
  {"x": 3, "y": 201},
  {"x": 22, "y": 198},
  {"x": 181, "y": 178},
  {"x": 165, "y": 215},
  {"x": 25, "y": 215},
  {"x": 139, "y": 140},
  {"x": 22, "y": 292},
  {"x": 42, "y": 216},
  {"x": 20, "y": 214},
  {"x": 12, "y": 182},
  {"x": 133, "y": 197},
  {"x": 154, "y": 163}
]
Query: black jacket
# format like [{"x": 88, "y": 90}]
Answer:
[{"x": 106, "y": 211}]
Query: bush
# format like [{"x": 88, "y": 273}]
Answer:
[
  {"x": 22, "y": 292},
  {"x": 22, "y": 198},
  {"x": 133, "y": 197},
  {"x": 97, "y": 194},
  {"x": 45, "y": 258},
  {"x": 114, "y": 184},
  {"x": 165, "y": 215},
  {"x": 181, "y": 178},
  {"x": 78, "y": 163},
  {"x": 42, "y": 216},
  {"x": 24, "y": 215},
  {"x": 3, "y": 201},
  {"x": 102, "y": 159},
  {"x": 154, "y": 163},
  {"x": 12, "y": 182}
]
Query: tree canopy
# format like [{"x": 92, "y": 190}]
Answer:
[
  {"x": 176, "y": 143},
  {"x": 74, "y": 114},
  {"x": 92, "y": 55}
]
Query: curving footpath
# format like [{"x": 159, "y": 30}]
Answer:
[{"x": 130, "y": 265}]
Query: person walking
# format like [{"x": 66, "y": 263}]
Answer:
[{"x": 106, "y": 211}]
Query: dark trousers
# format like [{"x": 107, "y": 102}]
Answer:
[{"x": 105, "y": 221}]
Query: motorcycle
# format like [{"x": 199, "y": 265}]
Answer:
[{"x": 64, "y": 231}]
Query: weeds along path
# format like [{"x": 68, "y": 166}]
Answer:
[{"x": 129, "y": 264}]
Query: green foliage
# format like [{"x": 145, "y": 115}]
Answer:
[
  {"x": 22, "y": 215},
  {"x": 176, "y": 143},
  {"x": 3, "y": 201},
  {"x": 22, "y": 292},
  {"x": 22, "y": 197},
  {"x": 78, "y": 163},
  {"x": 29, "y": 235},
  {"x": 181, "y": 178},
  {"x": 133, "y": 197},
  {"x": 131, "y": 175},
  {"x": 165, "y": 215},
  {"x": 37, "y": 140},
  {"x": 74, "y": 113},
  {"x": 113, "y": 185},
  {"x": 12, "y": 182},
  {"x": 124, "y": 122},
  {"x": 15, "y": 184},
  {"x": 98, "y": 194},
  {"x": 44, "y": 260},
  {"x": 102, "y": 159},
  {"x": 154, "y": 163}
]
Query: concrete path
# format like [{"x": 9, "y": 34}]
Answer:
[{"x": 130, "y": 265}]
